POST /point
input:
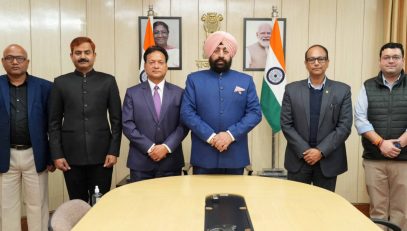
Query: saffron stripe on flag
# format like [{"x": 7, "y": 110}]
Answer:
[
  {"x": 274, "y": 80},
  {"x": 148, "y": 41}
]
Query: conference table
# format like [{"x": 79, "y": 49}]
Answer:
[{"x": 178, "y": 203}]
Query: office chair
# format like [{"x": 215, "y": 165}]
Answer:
[
  {"x": 68, "y": 214},
  {"x": 386, "y": 223}
]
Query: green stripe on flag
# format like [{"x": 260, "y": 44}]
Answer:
[{"x": 270, "y": 107}]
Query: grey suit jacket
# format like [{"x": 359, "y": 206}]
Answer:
[
  {"x": 335, "y": 122},
  {"x": 142, "y": 127}
]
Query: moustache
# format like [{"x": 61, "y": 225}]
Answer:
[
  {"x": 220, "y": 59},
  {"x": 83, "y": 60}
]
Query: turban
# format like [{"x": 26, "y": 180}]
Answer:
[{"x": 218, "y": 37}]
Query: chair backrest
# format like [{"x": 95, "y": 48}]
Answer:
[
  {"x": 68, "y": 214},
  {"x": 388, "y": 224}
]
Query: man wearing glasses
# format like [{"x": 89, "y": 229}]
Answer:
[
  {"x": 381, "y": 120},
  {"x": 24, "y": 152},
  {"x": 316, "y": 119}
]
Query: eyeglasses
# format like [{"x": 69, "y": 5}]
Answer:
[
  {"x": 313, "y": 59},
  {"x": 157, "y": 32},
  {"x": 394, "y": 58},
  {"x": 10, "y": 59}
]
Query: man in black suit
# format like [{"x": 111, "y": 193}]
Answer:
[
  {"x": 316, "y": 119},
  {"x": 83, "y": 143}
]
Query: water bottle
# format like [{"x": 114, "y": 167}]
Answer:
[{"x": 96, "y": 196}]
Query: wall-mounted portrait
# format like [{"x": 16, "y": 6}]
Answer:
[
  {"x": 167, "y": 34},
  {"x": 257, "y": 33}
]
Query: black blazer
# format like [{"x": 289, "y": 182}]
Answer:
[{"x": 79, "y": 128}]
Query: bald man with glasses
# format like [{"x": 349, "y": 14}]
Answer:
[
  {"x": 316, "y": 119},
  {"x": 24, "y": 151}
]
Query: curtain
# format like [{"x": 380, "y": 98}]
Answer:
[{"x": 395, "y": 22}]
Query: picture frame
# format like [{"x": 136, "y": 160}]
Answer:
[
  {"x": 252, "y": 45},
  {"x": 173, "y": 39}
]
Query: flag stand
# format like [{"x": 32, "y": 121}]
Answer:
[
  {"x": 271, "y": 94},
  {"x": 273, "y": 171}
]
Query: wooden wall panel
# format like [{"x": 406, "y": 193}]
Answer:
[
  {"x": 351, "y": 30},
  {"x": 349, "y": 37},
  {"x": 126, "y": 62},
  {"x": 15, "y": 26},
  {"x": 45, "y": 38},
  {"x": 101, "y": 29},
  {"x": 373, "y": 39},
  {"x": 322, "y": 28},
  {"x": 46, "y": 63},
  {"x": 73, "y": 24}
]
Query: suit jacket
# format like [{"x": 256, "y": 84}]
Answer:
[
  {"x": 37, "y": 96},
  {"x": 142, "y": 127},
  {"x": 334, "y": 127},
  {"x": 78, "y": 120},
  {"x": 213, "y": 103}
]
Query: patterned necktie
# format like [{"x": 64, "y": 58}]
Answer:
[{"x": 157, "y": 101}]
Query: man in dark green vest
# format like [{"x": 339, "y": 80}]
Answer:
[{"x": 381, "y": 119}]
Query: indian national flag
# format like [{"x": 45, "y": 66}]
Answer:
[
  {"x": 274, "y": 81},
  {"x": 148, "y": 41}
]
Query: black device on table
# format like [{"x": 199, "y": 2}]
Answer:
[{"x": 226, "y": 212}]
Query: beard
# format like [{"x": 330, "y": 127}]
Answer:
[
  {"x": 220, "y": 65},
  {"x": 264, "y": 43}
]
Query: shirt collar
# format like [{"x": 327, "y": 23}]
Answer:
[
  {"x": 320, "y": 87},
  {"x": 91, "y": 72},
  {"x": 387, "y": 84},
  {"x": 24, "y": 83},
  {"x": 152, "y": 85}
]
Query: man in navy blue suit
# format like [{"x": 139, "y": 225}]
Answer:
[
  {"x": 24, "y": 151},
  {"x": 151, "y": 122},
  {"x": 220, "y": 106}
]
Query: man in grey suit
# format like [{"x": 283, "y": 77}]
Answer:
[
  {"x": 316, "y": 119},
  {"x": 151, "y": 121}
]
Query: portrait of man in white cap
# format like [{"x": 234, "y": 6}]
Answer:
[{"x": 221, "y": 107}]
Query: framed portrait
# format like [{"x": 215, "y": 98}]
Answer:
[
  {"x": 256, "y": 34},
  {"x": 167, "y": 34}
]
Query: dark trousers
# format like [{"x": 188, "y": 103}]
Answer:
[
  {"x": 81, "y": 180},
  {"x": 145, "y": 175},
  {"x": 313, "y": 174},
  {"x": 224, "y": 171}
]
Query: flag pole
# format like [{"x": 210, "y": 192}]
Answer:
[
  {"x": 273, "y": 150},
  {"x": 273, "y": 172}
]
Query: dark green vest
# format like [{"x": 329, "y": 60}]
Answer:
[{"x": 387, "y": 112}]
